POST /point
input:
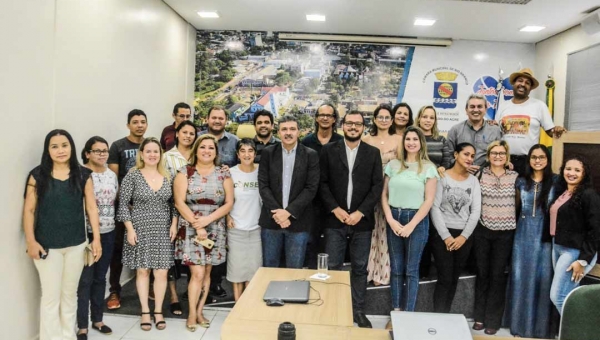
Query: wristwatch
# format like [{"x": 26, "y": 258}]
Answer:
[{"x": 583, "y": 263}]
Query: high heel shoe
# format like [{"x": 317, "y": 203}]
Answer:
[
  {"x": 161, "y": 324},
  {"x": 145, "y": 326}
]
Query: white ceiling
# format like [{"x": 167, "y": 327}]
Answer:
[{"x": 455, "y": 19}]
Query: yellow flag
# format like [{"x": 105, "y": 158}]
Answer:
[{"x": 550, "y": 84}]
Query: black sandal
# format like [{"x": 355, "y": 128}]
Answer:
[
  {"x": 176, "y": 307},
  {"x": 145, "y": 324},
  {"x": 160, "y": 323}
]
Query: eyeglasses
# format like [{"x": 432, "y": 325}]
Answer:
[
  {"x": 384, "y": 118},
  {"x": 357, "y": 124},
  {"x": 184, "y": 116},
  {"x": 538, "y": 158},
  {"x": 99, "y": 152},
  {"x": 323, "y": 115},
  {"x": 497, "y": 154}
]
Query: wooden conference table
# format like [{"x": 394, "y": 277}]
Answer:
[{"x": 328, "y": 319}]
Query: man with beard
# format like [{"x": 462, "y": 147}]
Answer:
[
  {"x": 288, "y": 180},
  {"x": 351, "y": 185},
  {"x": 475, "y": 130},
  {"x": 217, "y": 119},
  {"x": 181, "y": 113},
  {"x": 325, "y": 125},
  {"x": 522, "y": 118},
  {"x": 121, "y": 158},
  {"x": 263, "y": 123}
]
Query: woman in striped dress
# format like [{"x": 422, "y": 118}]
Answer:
[{"x": 493, "y": 237}]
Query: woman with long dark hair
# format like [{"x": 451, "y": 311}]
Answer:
[
  {"x": 529, "y": 304},
  {"x": 92, "y": 285},
  {"x": 381, "y": 136},
  {"x": 408, "y": 193},
  {"x": 455, "y": 214},
  {"x": 57, "y": 194},
  {"x": 573, "y": 228},
  {"x": 403, "y": 118}
]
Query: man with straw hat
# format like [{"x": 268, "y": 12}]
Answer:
[{"x": 522, "y": 118}]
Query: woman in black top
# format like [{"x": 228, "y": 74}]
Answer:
[
  {"x": 55, "y": 231},
  {"x": 573, "y": 228}
]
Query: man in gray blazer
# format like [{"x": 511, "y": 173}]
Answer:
[
  {"x": 288, "y": 180},
  {"x": 351, "y": 185}
]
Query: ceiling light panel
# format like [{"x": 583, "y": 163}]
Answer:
[
  {"x": 315, "y": 17},
  {"x": 424, "y": 22},
  {"x": 208, "y": 14},
  {"x": 506, "y": 2},
  {"x": 532, "y": 28}
]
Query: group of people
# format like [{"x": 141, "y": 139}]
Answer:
[{"x": 394, "y": 197}]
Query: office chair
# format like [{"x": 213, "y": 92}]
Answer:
[{"x": 581, "y": 314}]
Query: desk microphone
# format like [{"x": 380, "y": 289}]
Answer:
[{"x": 287, "y": 331}]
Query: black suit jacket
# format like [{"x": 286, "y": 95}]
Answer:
[
  {"x": 577, "y": 226},
  {"x": 367, "y": 183},
  {"x": 305, "y": 185}
]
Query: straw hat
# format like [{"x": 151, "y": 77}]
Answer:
[{"x": 528, "y": 73}]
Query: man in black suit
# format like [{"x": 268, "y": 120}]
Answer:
[
  {"x": 288, "y": 180},
  {"x": 351, "y": 185}
]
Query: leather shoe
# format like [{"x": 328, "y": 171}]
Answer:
[
  {"x": 490, "y": 331},
  {"x": 114, "y": 301},
  {"x": 478, "y": 326},
  {"x": 361, "y": 320},
  {"x": 218, "y": 291}
]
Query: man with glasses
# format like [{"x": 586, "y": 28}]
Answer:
[
  {"x": 263, "y": 123},
  {"x": 351, "y": 185},
  {"x": 474, "y": 130},
  {"x": 121, "y": 158},
  {"x": 181, "y": 113},
  {"x": 325, "y": 125}
]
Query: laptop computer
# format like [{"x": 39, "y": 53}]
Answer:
[
  {"x": 414, "y": 325},
  {"x": 288, "y": 291}
]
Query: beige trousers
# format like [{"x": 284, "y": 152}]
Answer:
[{"x": 59, "y": 275}]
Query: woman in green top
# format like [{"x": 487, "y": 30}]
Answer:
[
  {"x": 408, "y": 192},
  {"x": 55, "y": 231}
]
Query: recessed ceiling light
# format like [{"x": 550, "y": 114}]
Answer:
[
  {"x": 315, "y": 17},
  {"x": 424, "y": 22},
  {"x": 208, "y": 15},
  {"x": 532, "y": 28}
]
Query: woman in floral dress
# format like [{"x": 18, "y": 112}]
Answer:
[{"x": 203, "y": 196}]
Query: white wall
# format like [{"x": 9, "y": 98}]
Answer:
[
  {"x": 552, "y": 53},
  {"x": 81, "y": 66}
]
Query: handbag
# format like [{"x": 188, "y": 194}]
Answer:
[{"x": 88, "y": 256}]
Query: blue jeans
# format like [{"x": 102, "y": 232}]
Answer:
[
  {"x": 293, "y": 244},
  {"x": 405, "y": 256},
  {"x": 562, "y": 257},
  {"x": 92, "y": 283}
]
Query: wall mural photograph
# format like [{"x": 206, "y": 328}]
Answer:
[{"x": 249, "y": 71}]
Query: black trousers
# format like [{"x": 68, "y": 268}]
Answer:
[
  {"x": 116, "y": 266},
  {"x": 360, "y": 246},
  {"x": 493, "y": 250},
  {"x": 449, "y": 265},
  {"x": 316, "y": 241}
]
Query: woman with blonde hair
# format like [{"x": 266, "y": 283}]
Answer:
[
  {"x": 145, "y": 207},
  {"x": 408, "y": 193},
  {"x": 203, "y": 196},
  {"x": 493, "y": 237}
]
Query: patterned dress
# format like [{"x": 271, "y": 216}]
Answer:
[
  {"x": 204, "y": 195},
  {"x": 379, "y": 257},
  {"x": 151, "y": 215}
]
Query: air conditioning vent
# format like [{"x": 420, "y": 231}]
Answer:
[{"x": 506, "y": 2}]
